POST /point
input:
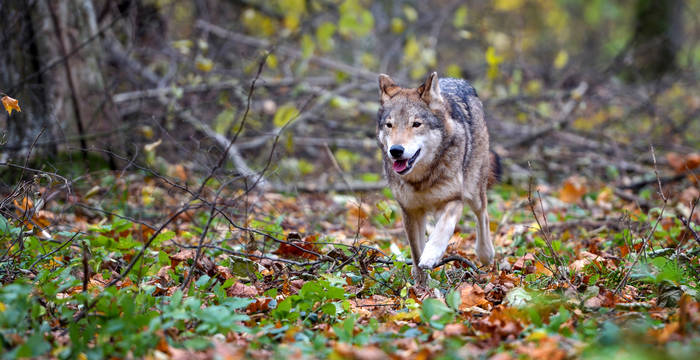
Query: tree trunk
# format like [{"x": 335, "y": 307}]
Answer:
[
  {"x": 657, "y": 37},
  {"x": 58, "y": 86}
]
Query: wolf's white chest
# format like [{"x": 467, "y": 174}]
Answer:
[{"x": 433, "y": 197}]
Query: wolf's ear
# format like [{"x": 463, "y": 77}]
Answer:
[
  {"x": 430, "y": 91},
  {"x": 387, "y": 88}
]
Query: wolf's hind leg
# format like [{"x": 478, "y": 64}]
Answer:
[
  {"x": 484, "y": 247},
  {"x": 440, "y": 237},
  {"x": 414, "y": 224}
]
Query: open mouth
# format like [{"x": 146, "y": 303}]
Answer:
[{"x": 404, "y": 165}]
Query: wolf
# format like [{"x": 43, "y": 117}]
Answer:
[{"x": 435, "y": 147}]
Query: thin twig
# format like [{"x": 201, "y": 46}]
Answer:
[{"x": 645, "y": 243}]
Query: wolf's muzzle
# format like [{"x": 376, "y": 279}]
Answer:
[{"x": 396, "y": 151}]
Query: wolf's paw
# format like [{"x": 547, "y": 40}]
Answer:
[
  {"x": 430, "y": 257},
  {"x": 485, "y": 253},
  {"x": 420, "y": 276}
]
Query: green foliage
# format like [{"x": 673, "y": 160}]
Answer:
[
  {"x": 436, "y": 314},
  {"x": 316, "y": 300}
]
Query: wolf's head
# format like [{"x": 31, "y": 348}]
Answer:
[{"x": 411, "y": 126}]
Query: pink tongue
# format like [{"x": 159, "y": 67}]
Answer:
[{"x": 400, "y": 165}]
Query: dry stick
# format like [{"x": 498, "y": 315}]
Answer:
[
  {"x": 688, "y": 222},
  {"x": 545, "y": 235},
  {"x": 645, "y": 243},
  {"x": 466, "y": 261},
  {"x": 188, "y": 278},
  {"x": 86, "y": 273}
]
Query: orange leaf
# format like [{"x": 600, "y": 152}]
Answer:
[
  {"x": 541, "y": 269},
  {"x": 472, "y": 295},
  {"x": 573, "y": 189},
  {"x": 10, "y": 104}
]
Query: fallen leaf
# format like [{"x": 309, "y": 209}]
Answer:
[
  {"x": 458, "y": 329},
  {"x": 10, "y": 104},
  {"x": 472, "y": 295},
  {"x": 520, "y": 264},
  {"x": 547, "y": 348},
  {"x": 241, "y": 290},
  {"x": 295, "y": 246},
  {"x": 573, "y": 189},
  {"x": 540, "y": 269}
]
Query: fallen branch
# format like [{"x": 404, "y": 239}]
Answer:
[
  {"x": 233, "y": 153},
  {"x": 562, "y": 120},
  {"x": 284, "y": 50},
  {"x": 463, "y": 260}
]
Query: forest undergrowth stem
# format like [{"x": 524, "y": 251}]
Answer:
[
  {"x": 546, "y": 235},
  {"x": 647, "y": 239}
]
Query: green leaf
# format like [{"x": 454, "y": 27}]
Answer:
[
  {"x": 518, "y": 297},
  {"x": 435, "y": 313},
  {"x": 454, "y": 299},
  {"x": 460, "y": 18},
  {"x": 329, "y": 309}
]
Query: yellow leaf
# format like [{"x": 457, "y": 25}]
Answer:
[
  {"x": 2, "y": 307},
  {"x": 204, "y": 64},
  {"x": 397, "y": 25},
  {"x": 561, "y": 59},
  {"x": 10, "y": 104},
  {"x": 453, "y": 70},
  {"x": 508, "y": 5},
  {"x": 285, "y": 114},
  {"x": 410, "y": 13}
]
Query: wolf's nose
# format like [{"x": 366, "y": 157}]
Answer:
[{"x": 396, "y": 151}]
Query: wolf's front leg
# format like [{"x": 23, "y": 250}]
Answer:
[
  {"x": 484, "y": 246},
  {"x": 414, "y": 224},
  {"x": 440, "y": 237}
]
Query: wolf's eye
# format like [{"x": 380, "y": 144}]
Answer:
[
  {"x": 388, "y": 125},
  {"x": 416, "y": 124}
]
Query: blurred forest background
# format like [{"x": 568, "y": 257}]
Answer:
[
  {"x": 199, "y": 178},
  {"x": 571, "y": 86}
]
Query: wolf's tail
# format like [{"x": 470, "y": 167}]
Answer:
[{"x": 496, "y": 169}]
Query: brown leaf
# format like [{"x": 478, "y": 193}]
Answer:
[
  {"x": 676, "y": 161},
  {"x": 204, "y": 264},
  {"x": 573, "y": 189},
  {"x": 472, "y": 295},
  {"x": 604, "y": 299},
  {"x": 688, "y": 196},
  {"x": 547, "y": 348},
  {"x": 458, "y": 329},
  {"x": 10, "y": 104},
  {"x": 241, "y": 290},
  {"x": 520, "y": 264},
  {"x": 295, "y": 246},
  {"x": 681, "y": 164}
]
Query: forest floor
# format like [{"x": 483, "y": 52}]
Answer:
[{"x": 582, "y": 270}]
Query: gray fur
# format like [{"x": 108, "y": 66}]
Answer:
[{"x": 452, "y": 167}]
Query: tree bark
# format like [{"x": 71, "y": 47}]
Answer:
[
  {"x": 658, "y": 37},
  {"x": 43, "y": 41}
]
